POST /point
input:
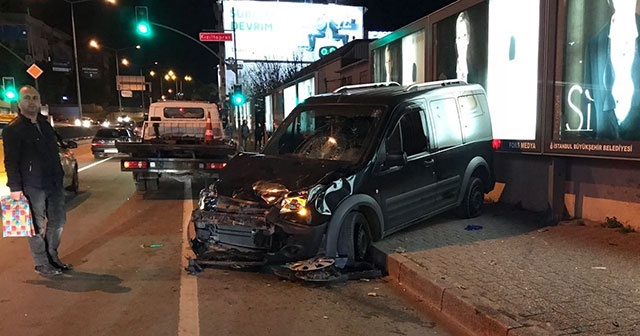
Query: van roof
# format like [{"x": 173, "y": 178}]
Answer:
[{"x": 389, "y": 95}]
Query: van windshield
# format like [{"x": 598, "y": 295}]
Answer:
[{"x": 329, "y": 132}]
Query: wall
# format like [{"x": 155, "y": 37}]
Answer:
[{"x": 594, "y": 189}]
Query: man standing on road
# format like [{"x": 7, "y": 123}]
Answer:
[{"x": 33, "y": 169}]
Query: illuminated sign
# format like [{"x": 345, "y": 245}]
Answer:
[
  {"x": 512, "y": 69},
  {"x": 597, "y": 91},
  {"x": 289, "y": 31},
  {"x": 215, "y": 37}
]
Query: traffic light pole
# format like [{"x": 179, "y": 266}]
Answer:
[{"x": 220, "y": 59}]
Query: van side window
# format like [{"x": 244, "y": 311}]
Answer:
[
  {"x": 469, "y": 107},
  {"x": 446, "y": 122},
  {"x": 409, "y": 135}
]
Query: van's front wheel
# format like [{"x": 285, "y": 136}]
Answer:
[
  {"x": 471, "y": 205},
  {"x": 355, "y": 238}
]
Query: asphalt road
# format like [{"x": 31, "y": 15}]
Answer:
[{"x": 121, "y": 286}]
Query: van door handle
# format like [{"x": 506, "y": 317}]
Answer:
[{"x": 428, "y": 163}]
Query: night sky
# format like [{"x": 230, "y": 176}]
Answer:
[{"x": 113, "y": 26}]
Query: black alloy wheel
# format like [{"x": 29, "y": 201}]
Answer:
[
  {"x": 355, "y": 238},
  {"x": 471, "y": 205}
]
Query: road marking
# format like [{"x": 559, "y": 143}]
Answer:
[
  {"x": 188, "y": 319},
  {"x": 97, "y": 163}
]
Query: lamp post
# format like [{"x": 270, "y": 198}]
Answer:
[
  {"x": 75, "y": 49},
  {"x": 187, "y": 78},
  {"x": 96, "y": 45},
  {"x": 171, "y": 76}
]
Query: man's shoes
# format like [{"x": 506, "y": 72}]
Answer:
[
  {"x": 47, "y": 270},
  {"x": 62, "y": 266}
]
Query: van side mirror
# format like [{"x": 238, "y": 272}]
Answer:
[{"x": 396, "y": 159}]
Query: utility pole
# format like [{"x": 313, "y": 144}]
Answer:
[{"x": 222, "y": 91}]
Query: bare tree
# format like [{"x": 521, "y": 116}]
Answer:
[{"x": 266, "y": 76}]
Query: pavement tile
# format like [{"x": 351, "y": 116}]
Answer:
[{"x": 519, "y": 276}]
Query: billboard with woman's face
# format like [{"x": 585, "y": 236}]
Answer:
[
  {"x": 401, "y": 61},
  {"x": 461, "y": 51},
  {"x": 597, "y": 86},
  {"x": 487, "y": 44}
]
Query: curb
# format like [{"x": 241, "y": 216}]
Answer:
[{"x": 463, "y": 308}]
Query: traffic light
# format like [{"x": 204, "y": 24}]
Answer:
[
  {"x": 143, "y": 26},
  {"x": 238, "y": 98},
  {"x": 9, "y": 92}
]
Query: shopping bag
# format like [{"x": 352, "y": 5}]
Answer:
[{"x": 16, "y": 217}]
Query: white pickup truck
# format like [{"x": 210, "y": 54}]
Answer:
[{"x": 178, "y": 139}]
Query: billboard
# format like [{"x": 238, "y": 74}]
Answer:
[
  {"x": 501, "y": 54},
  {"x": 269, "y": 30},
  {"x": 401, "y": 61},
  {"x": 597, "y": 79}
]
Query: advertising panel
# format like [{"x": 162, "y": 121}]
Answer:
[
  {"x": 388, "y": 62},
  {"x": 289, "y": 31},
  {"x": 306, "y": 89},
  {"x": 290, "y": 99},
  {"x": 597, "y": 84},
  {"x": 461, "y": 51},
  {"x": 268, "y": 114},
  {"x": 402, "y": 61},
  {"x": 512, "y": 72},
  {"x": 487, "y": 44},
  {"x": 413, "y": 57}
]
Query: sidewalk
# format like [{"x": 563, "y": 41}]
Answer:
[{"x": 515, "y": 276}]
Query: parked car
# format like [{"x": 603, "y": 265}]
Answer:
[
  {"x": 71, "y": 181},
  {"x": 104, "y": 141},
  {"x": 348, "y": 168}
]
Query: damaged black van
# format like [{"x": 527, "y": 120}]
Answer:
[{"x": 345, "y": 169}]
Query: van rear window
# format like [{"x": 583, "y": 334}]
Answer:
[{"x": 183, "y": 113}]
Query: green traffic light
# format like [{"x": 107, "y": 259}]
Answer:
[
  {"x": 10, "y": 94},
  {"x": 238, "y": 99},
  {"x": 143, "y": 29}
]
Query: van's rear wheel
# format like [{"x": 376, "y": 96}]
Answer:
[
  {"x": 471, "y": 205},
  {"x": 355, "y": 238}
]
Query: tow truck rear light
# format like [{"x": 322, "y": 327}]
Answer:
[
  {"x": 135, "y": 164},
  {"x": 216, "y": 165}
]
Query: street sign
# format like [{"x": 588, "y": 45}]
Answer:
[
  {"x": 34, "y": 71},
  {"x": 131, "y": 83},
  {"x": 126, "y": 93},
  {"x": 215, "y": 37}
]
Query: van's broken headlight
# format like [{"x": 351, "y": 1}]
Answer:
[{"x": 295, "y": 202}]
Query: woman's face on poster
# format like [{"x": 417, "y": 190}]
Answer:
[{"x": 462, "y": 37}]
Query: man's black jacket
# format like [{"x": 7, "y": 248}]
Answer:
[{"x": 31, "y": 155}]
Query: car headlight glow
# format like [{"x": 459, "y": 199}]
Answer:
[{"x": 295, "y": 203}]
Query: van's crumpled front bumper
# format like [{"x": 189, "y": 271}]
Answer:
[{"x": 241, "y": 232}]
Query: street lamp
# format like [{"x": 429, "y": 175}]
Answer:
[
  {"x": 171, "y": 76},
  {"x": 75, "y": 49},
  {"x": 187, "y": 78},
  {"x": 94, "y": 44}
]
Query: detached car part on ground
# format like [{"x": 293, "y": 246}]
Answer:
[{"x": 343, "y": 170}]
